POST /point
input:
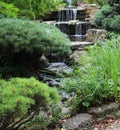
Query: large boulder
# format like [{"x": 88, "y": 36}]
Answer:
[
  {"x": 104, "y": 109},
  {"x": 93, "y": 35},
  {"x": 79, "y": 122}
]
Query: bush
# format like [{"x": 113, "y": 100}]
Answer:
[
  {"x": 45, "y": 121},
  {"x": 34, "y": 9},
  {"x": 22, "y": 99},
  {"x": 8, "y": 10},
  {"x": 23, "y": 42},
  {"x": 109, "y": 16},
  {"x": 98, "y": 80},
  {"x": 75, "y": 2},
  {"x": 99, "y": 17}
]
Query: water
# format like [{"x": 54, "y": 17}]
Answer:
[
  {"x": 54, "y": 74},
  {"x": 67, "y": 15},
  {"x": 78, "y": 29},
  {"x": 68, "y": 23},
  {"x": 60, "y": 67},
  {"x": 74, "y": 14}
]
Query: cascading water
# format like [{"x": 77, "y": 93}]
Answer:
[
  {"x": 78, "y": 32},
  {"x": 68, "y": 23},
  {"x": 74, "y": 14},
  {"x": 67, "y": 15},
  {"x": 78, "y": 29}
]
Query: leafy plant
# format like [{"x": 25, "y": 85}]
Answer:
[{"x": 22, "y": 99}]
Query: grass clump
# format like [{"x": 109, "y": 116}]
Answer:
[{"x": 98, "y": 79}]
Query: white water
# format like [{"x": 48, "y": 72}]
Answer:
[
  {"x": 67, "y": 15},
  {"x": 78, "y": 29}
]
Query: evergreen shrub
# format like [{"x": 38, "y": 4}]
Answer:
[
  {"x": 23, "y": 42},
  {"x": 109, "y": 16},
  {"x": 22, "y": 99}
]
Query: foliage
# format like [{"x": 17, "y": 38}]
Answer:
[
  {"x": 99, "y": 18},
  {"x": 98, "y": 80},
  {"x": 8, "y": 10},
  {"x": 75, "y": 2},
  {"x": 113, "y": 35},
  {"x": 23, "y": 42},
  {"x": 22, "y": 99},
  {"x": 109, "y": 16},
  {"x": 45, "y": 120},
  {"x": 33, "y": 9},
  {"x": 98, "y": 2}
]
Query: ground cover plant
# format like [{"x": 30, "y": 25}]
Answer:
[
  {"x": 98, "y": 80},
  {"x": 23, "y": 42},
  {"x": 22, "y": 99}
]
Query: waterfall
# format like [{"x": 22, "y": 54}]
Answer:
[
  {"x": 78, "y": 29},
  {"x": 68, "y": 22},
  {"x": 67, "y": 15},
  {"x": 78, "y": 32},
  {"x": 74, "y": 14}
]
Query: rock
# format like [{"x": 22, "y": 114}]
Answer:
[
  {"x": 117, "y": 114},
  {"x": 43, "y": 62},
  {"x": 94, "y": 35},
  {"x": 53, "y": 74},
  {"x": 100, "y": 119},
  {"x": 103, "y": 110},
  {"x": 114, "y": 126},
  {"x": 64, "y": 96},
  {"x": 77, "y": 45},
  {"x": 34, "y": 127},
  {"x": 60, "y": 67},
  {"x": 76, "y": 56},
  {"x": 79, "y": 122},
  {"x": 65, "y": 110}
]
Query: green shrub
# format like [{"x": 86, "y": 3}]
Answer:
[
  {"x": 98, "y": 80},
  {"x": 74, "y": 2},
  {"x": 22, "y": 99},
  {"x": 98, "y": 2},
  {"x": 113, "y": 35},
  {"x": 34, "y": 9},
  {"x": 109, "y": 16},
  {"x": 8, "y": 10},
  {"x": 23, "y": 42},
  {"x": 99, "y": 17},
  {"x": 45, "y": 121}
]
